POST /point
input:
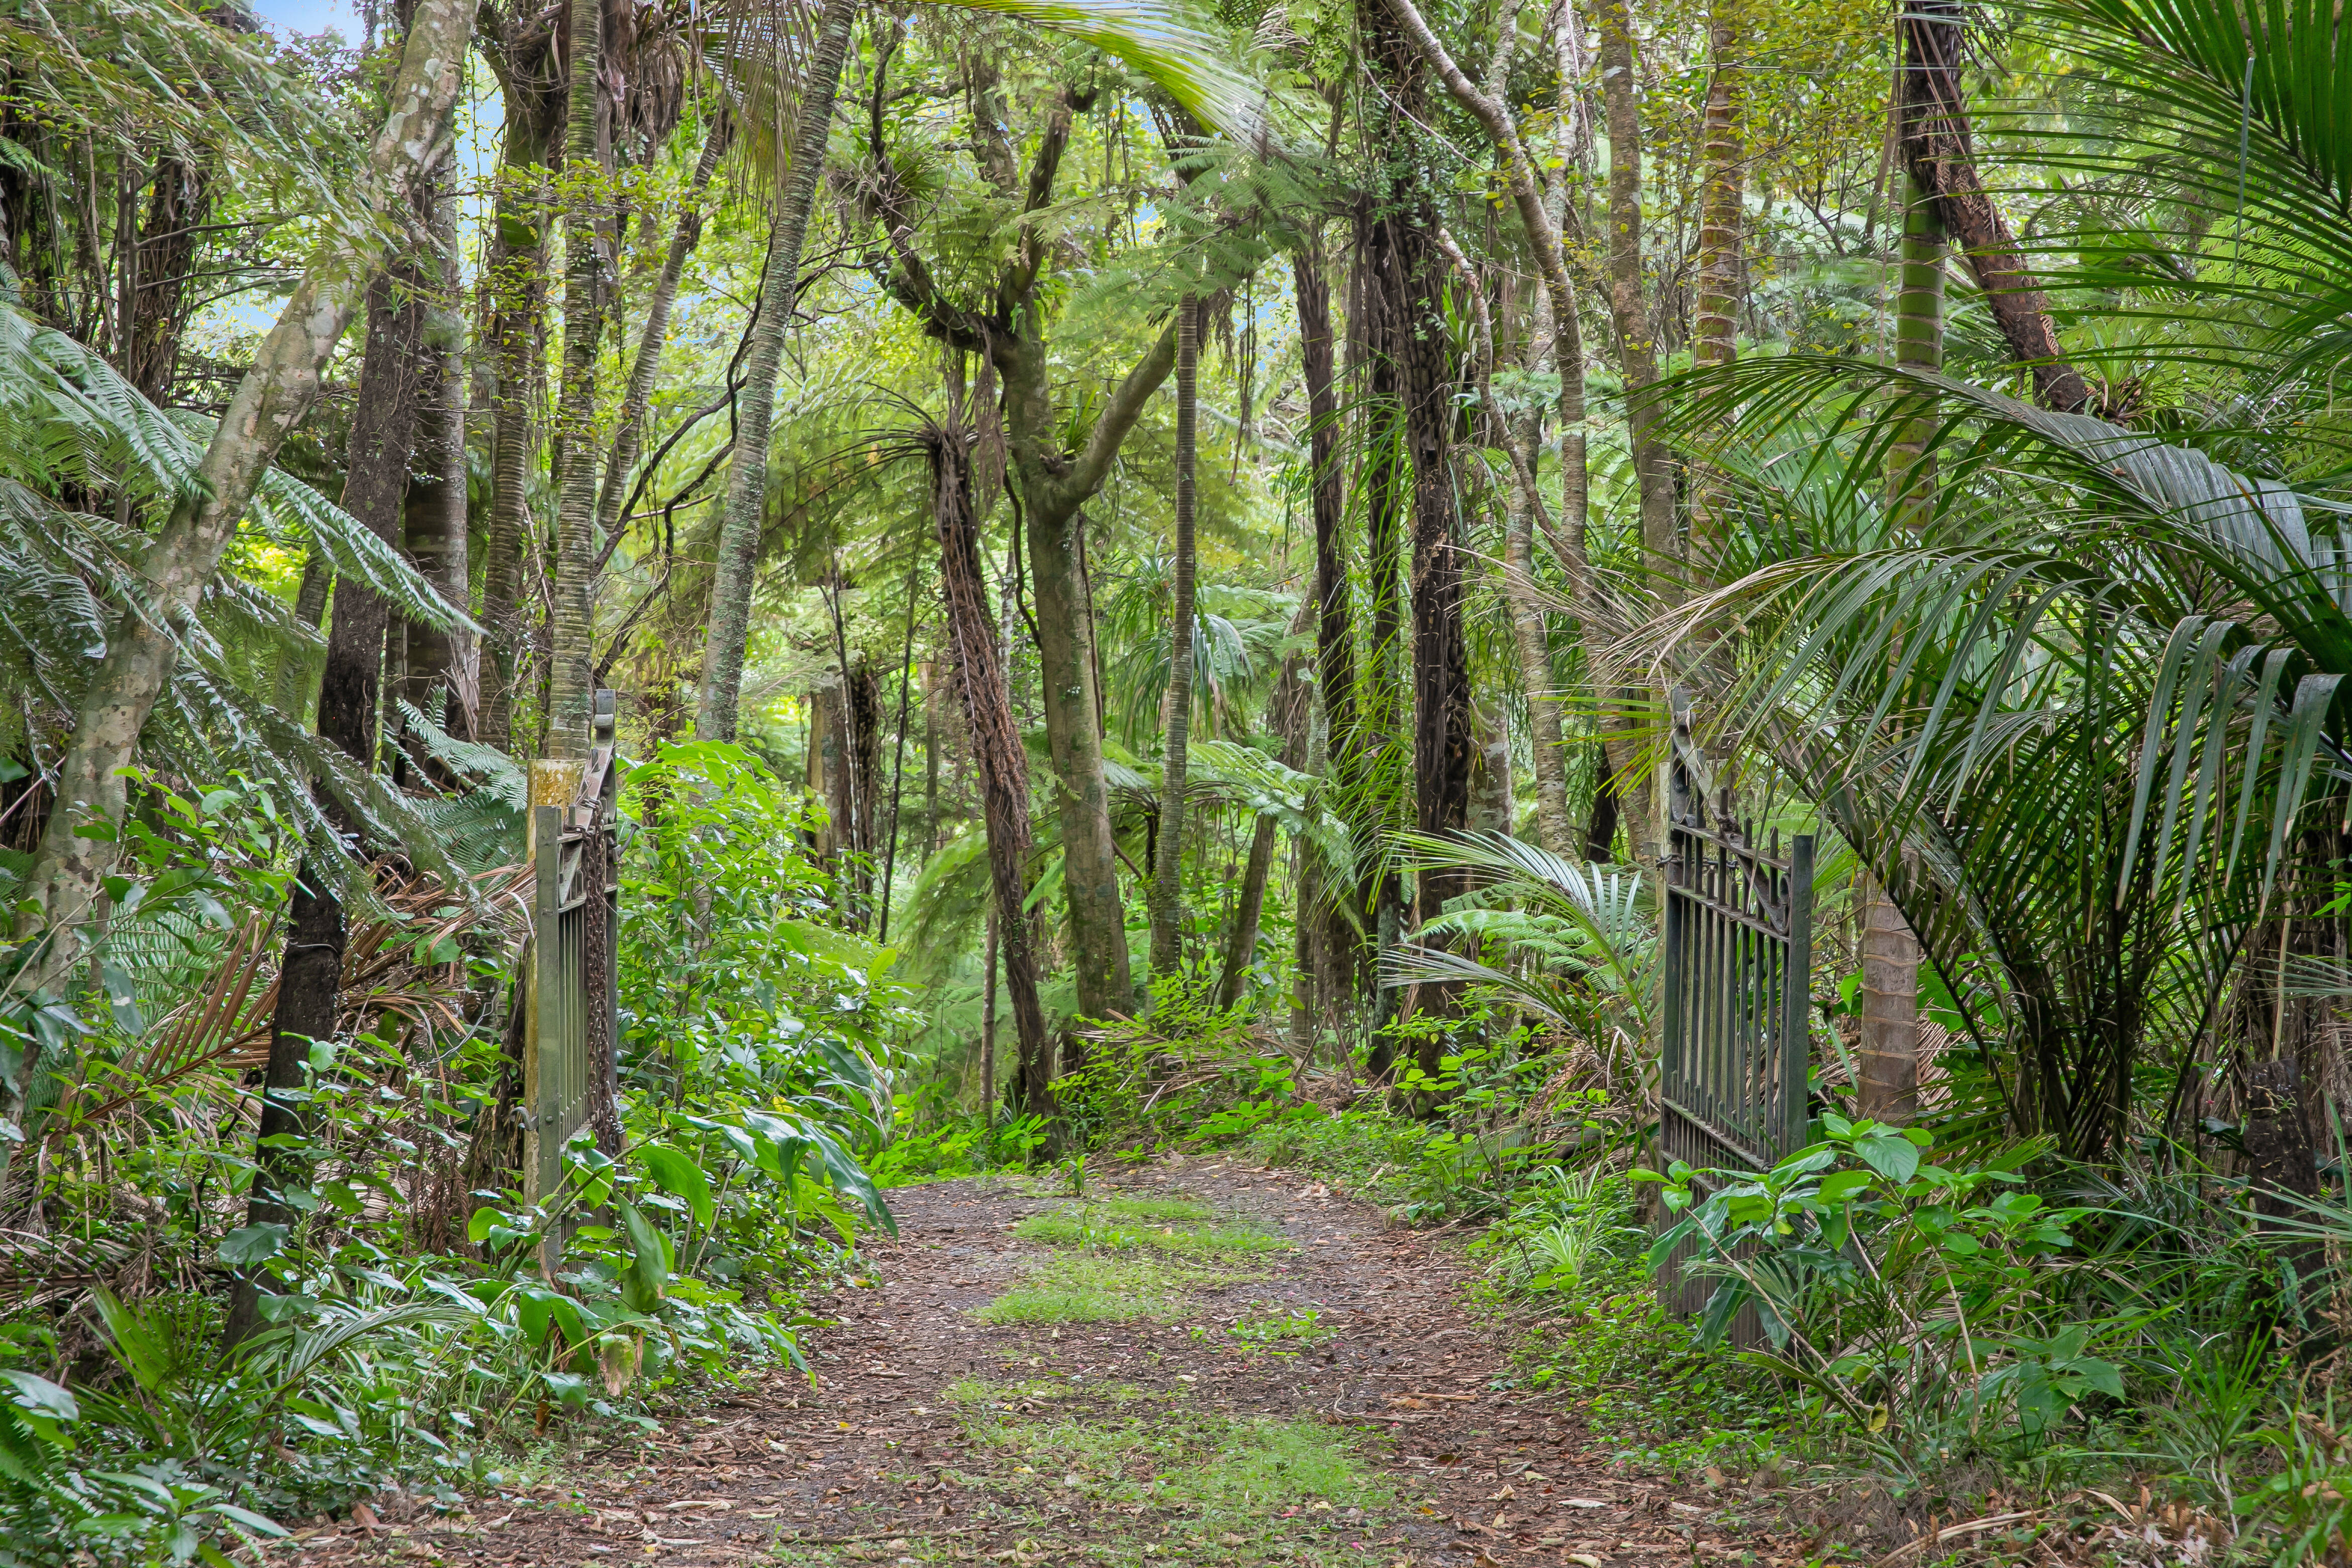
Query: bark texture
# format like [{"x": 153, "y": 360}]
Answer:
[
  {"x": 432, "y": 525},
  {"x": 1934, "y": 129},
  {"x": 1339, "y": 942},
  {"x": 572, "y": 619},
  {"x": 978, "y": 678},
  {"x": 534, "y": 94},
  {"x": 716, "y": 716}
]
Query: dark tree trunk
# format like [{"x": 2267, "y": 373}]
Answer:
[
  {"x": 1339, "y": 941},
  {"x": 433, "y": 519},
  {"x": 1380, "y": 294},
  {"x": 177, "y": 206},
  {"x": 375, "y": 478},
  {"x": 1934, "y": 125},
  {"x": 978, "y": 676}
]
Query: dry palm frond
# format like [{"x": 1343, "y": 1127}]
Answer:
[{"x": 227, "y": 1025}]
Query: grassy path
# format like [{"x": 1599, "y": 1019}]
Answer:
[{"x": 1206, "y": 1363}]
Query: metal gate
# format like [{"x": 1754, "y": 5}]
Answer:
[
  {"x": 573, "y": 996},
  {"x": 1739, "y": 953}
]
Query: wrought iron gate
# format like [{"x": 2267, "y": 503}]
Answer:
[
  {"x": 573, "y": 996},
  {"x": 1738, "y": 967}
]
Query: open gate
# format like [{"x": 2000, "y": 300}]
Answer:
[
  {"x": 573, "y": 996},
  {"x": 1737, "y": 971}
]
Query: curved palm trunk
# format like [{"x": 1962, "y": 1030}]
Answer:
[
  {"x": 279, "y": 388},
  {"x": 717, "y": 714},
  {"x": 573, "y": 624},
  {"x": 1167, "y": 867}
]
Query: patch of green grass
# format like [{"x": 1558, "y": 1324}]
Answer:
[
  {"x": 1156, "y": 1211},
  {"x": 1074, "y": 1288},
  {"x": 1269, "y": 1327},
  {"x": 973, "y": 1391},
  {"x": 1103, "y": 1228},
  {"x": 1227, "y": 1479}
]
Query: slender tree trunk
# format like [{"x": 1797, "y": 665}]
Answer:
[
  {"x": 1637, "y": 358},
  {"x": 572, "y": 626},
  {"x": 1340, "y": 940},
  {"x": 630, "y": 438},
  {"x": 1055, "y": 489},
  {"x": 988, "y": 971},
  {"x": 393, "y": 382},
  {"x": 1289, "y": 713},
  {"x": 1168, "y": 868},
  {"x": 1444, "y": 749},
  {"x": 979, "y": 679},
  {"x": 716, "y": 717},
  {"x": 1934, "y": 129},
  {"x": 1381, "y": 293},
  {"x": 179, "y": 562}
]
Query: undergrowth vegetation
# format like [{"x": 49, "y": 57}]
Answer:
[{"x": 425, "y": 1331}]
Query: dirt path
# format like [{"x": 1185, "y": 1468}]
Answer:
[{"x": 1269, "y": 1375}]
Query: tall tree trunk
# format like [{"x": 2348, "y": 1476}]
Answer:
[
  {"x": 979, "y": 680},
  {"x": 1443, "y": 750},
  {"x": 1340, "y": 940},
  {"x": 572, "y": 625},
  {"x": 1382, "y": 296},
  {"x": 1888, "y": 1055},
  {"x": 716, "y": 716},
  {"x": 630, "y": 438},
  {"x": 179, "y": 562},
  {"x": 433, "y": 519},
  {"x": 375, "y": 479},
  {"x": 1168, "y": 842},
  {"x": 1716, "y": 332},
  {"x": 1637, "y": 358},
  {"x": 1408, "y": 278},
  {"x": 516, "y": 280},
  {"x": 1933, "y": 128}
]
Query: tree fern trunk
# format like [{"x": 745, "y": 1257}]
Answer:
[
  {"x": 979, "y": 680},
  {"x": 746, "y": 467},
  {"x": 1168, "y": 868},
  {"x": 432, "y": 523}
]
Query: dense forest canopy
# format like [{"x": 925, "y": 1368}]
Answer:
[{"x": 627, "y": 622}]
